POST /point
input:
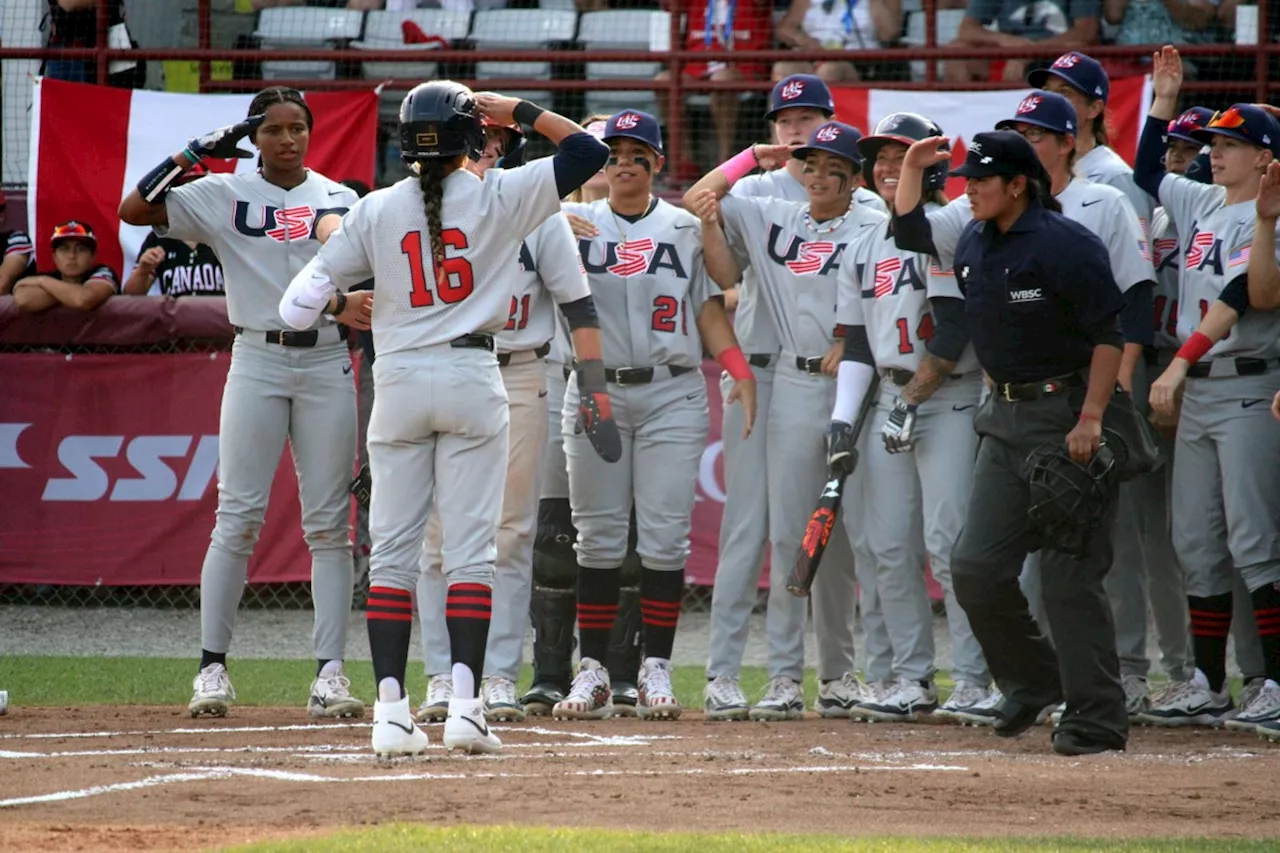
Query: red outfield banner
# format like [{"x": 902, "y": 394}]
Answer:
[{"x": 109, "y": 463}]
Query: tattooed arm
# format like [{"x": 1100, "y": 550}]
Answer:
[
  {"x": 943, "y": 350},
  {"x": 930, "y": 375}
]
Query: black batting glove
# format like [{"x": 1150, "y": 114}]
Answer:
[
  {"x": 842, "y": 456},
  {"x": 223, "y": 142},
  {"x": 595, "y": 412}
]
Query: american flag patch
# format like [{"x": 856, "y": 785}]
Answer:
[
  {"x": 1239, "y": 257},
  {"x": 886, "y": 276},
  {"x": 1142, "y": 247}
]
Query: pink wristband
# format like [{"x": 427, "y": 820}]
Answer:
[
  {"x": 1195, "y": 347},
  {"x": 735, "y": 364},
  {"x": 739, "y": 166}
]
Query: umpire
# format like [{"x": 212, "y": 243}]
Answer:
[{"x": 1041, "y": 309}]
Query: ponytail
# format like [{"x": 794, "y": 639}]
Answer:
[
  {"x": 431, "y": 175},
  {"x": 1100, "y": 130},
  {"x": 1038, "y": 193}
]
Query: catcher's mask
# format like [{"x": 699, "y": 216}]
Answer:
[{"x": 1068, "y": 501}]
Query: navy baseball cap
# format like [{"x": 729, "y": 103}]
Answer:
[
  {"x": 800, "y": 90},
  {"x": 1195, "y": 118},
  {"x": 1244, "y": 122},
  {"x": 634, "y": 124},
  {"x": 1080, "y": 70},
  {"x": 834, "y": 138},
  {"x": 1043, "y": 109},
  {"x": 1000, "y": 152}
]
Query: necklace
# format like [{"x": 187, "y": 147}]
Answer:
[
  {"x": 618, "y": 224},
  {"x": 827, "y": 227}
]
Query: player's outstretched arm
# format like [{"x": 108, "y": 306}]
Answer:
[
  {"x": 1264, "y": 274},
  {"x": 911, "y": 228},
  {"x": 722, "y": 178},
  {"x": 719, "y": 340},
  {"x": 579, "y": 156},
  {"x": 144, "y": 205}
]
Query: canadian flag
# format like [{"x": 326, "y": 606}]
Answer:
[
  {"x": 91, "y": 144},
  {"x": 962, "y": 114}
]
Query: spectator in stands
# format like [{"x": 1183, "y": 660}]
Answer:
[
  {"x": 1060, "y": 23},
  {"x": 721, "y": 25},
  {"x": 74, "y": 23},
  {"x": 389, "y": 5},
  {"x": 19, "y": 256},
  {"x": 1163, "y": 21},
  {"x": 78, "y": 281},
  {"x": 836, "y": 25},
  {"x": 178, "y": 267}
]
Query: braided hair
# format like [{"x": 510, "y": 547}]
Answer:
[{"x": 431, "y": 175}]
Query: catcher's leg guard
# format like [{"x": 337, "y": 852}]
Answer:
[{"x": 552, "y": 607}]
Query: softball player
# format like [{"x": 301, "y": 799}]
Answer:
[
  {"x": 798, "y": 105},
  {"x": 1224, "y": 502},
  {"x": 795, "y": 250},
  {"x": 658, "y": 310},
  {"x": 548, "y": 274},
  {"x": 440, "y": 409},
  {"x": 282, "y": 383},
  {"x": 922, "y": 444}
]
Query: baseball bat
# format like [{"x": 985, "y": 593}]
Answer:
[{"x": 823, "y": 520}]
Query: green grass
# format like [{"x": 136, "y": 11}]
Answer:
[{"x": 401, "y": 837}]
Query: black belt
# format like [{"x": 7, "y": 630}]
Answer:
[
  {"x": 1244, "y": 367},
  {"x": 899, "y": 376},
  {"x": 635, "y": 375},
  {"x": 1020, "y": 392},
  {"x": 288, "y": 338},
  {"x": 811, "y": 364},
  {"x": 504, "y": 358},
  {"x": 473, "y": 341},
  {"x": 759, "y": 359}
]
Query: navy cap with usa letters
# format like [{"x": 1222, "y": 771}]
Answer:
[
  {"x": 834, "y": 138},
  {"x": 634, "y": 124}
]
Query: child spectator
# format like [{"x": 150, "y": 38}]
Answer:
[{"x": 78, "y": 281}]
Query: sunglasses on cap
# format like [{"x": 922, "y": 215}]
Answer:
[
  {"x": 73, "y": 230},
  {"x": 1229, "y": 119}
]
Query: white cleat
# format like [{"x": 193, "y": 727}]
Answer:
[
  {"x": 394, "y": 732},
  {"x": 657, "y": 699},
  {"x": 501, "y": 705},
  {"x": 331, "y": 697},
  {"x": 723, "y": 699},
  {"x": 590, "y": 696},
  {"x": 436, "y": 706},
  {"x": 782, "y": 700},
  {"x": 212, "y": 692},
  {"x": 838, "y": 697},
  {"x": 467, "y": 730}
]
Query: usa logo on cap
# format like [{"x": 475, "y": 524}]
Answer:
[
  {"x": 1067, "y": 60},
  {"x": 627, "y": 121},
  {"x": 827, "y": 134},
  {"x": 1029, "y": 104},
  {"x": 792, "y": 90}
]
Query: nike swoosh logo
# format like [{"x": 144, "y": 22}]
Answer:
[
  {"x": 346, "y": 368},
  {"x": 482, "y": 729},
  {"x": 337, "y": 192},
  {"x": 542, "y": 393},
  {"x": 1088, "y": 203},
  {"x": 304, "y": 305},
  {"x": 1245, "y": 404},
  {"x": 684, "y": 227},
  {"x": 961, "y": 408},
  {"x": 401, "y": 726}
]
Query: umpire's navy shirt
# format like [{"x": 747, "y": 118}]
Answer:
[{"x": 1037, "y": 296}]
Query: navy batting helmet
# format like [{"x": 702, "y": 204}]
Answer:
[
  {"x": 905, "y": 128},
  {"x": 800, "y": 90},
  {"x": 440, "y": 119},
  {"x": 513, "y": 151}
]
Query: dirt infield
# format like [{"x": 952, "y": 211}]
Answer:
[{"x": 152, "y": 778}]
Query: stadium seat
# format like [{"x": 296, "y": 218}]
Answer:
[
  {"x": 382, "y": 31},
  {"x": 300, "y": 28},
  {"x": 521, "y": 29},
  {"x": 623, "y": 30},
  {"x": 948, "y": 27}
]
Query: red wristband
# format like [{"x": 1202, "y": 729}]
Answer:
[
  {"x": 735, "y": 364},
  {"x": 1195, "y": 348}
]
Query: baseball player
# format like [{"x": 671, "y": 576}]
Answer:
[
  {"x": 548, "y": 274},
  {"x": 1224, "y": 502},
  {"x": 921, "y": 445},
  {"x": 1082, "y": 80},
  {"x": 658, "y": 310},
  {"x": 282, "y": 383},
  {"x": 553, "y": 604},
  {"x": 19, "y": 255},
  {"x": 795, "y": 250},
  {"x": 438, "y": 434},
  {"x": 798, "y": 105},
  {"x": 77, "y": 281}
]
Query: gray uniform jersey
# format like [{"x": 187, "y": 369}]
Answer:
[
  {"x": 1102, "y": 165},
  {"x": 885, "y": 289},
  {"x": 385, "y": 237},
  {"x": 270, "y": 239},
  {"x": 795, "y": 266},
  {"x": 1166, "y": 259},
  {"x": 550, "y": 274},
  {"x": 751, "y": 322},
  {"x": 1215, "y": 245},
  {"x": 648, "y": 282}
]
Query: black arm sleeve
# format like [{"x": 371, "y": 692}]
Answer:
[
  {"x": 1236, "y": 294},
  {"x": 913, "y": 233},
  {"x": 1135, "y": 317},
  {"x": 581, "y": 313},
  {"x": 1148, "y": 167},
  {"x": 580, "y": 156},
  {"x": 950, "y": 336},
  {"x": 1105, "y": 332},
  {"x": 857, "y": 347}
]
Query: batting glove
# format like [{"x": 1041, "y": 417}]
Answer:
[
  {"x": 842, "y": 456},
  {"x": 362, "y": 487},
  {"x": 222, "y": 143},
  {"x": 898, "y": 430},
  {"x": 595, "y": 412}
]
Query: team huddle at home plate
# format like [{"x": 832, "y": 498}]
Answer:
[{"x": 540, "y": 412}]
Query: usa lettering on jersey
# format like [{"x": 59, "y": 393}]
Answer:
[
  {"x": 892, "y": 274},
  {"x": 1204, "y": 249},
  {"x": 282, "y": 225},
  {"x": 1166, "y": 252},
  {"x": 811, "y": 257},
  {"x": 801, "y": 256},
  {"x": 632, "y": 257}
]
